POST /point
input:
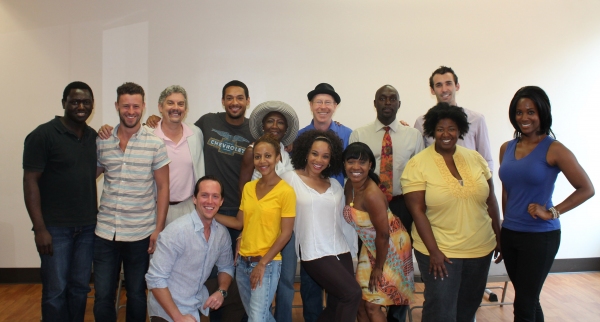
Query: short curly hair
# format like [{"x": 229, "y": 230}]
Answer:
[
  {"x": 442, "y": 111},
  {"x": 304, "y": 143}
]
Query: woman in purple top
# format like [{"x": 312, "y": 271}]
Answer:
[{"x": 529, "y": 165}]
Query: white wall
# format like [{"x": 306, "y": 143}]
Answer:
[{"x": 281, "y": 50}]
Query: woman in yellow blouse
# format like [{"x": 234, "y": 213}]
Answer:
[
  {"x": 267, "y": 212},
  {"x": 449, "y": 192}
]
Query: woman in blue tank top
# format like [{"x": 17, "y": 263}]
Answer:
[{"x": 529, "y": 165}]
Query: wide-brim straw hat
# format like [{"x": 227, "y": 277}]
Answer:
[{"x": 259, "y": 113}]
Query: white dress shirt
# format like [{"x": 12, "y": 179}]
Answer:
[{"x": 406, "y": 142}]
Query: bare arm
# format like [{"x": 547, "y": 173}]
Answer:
[
  {"x": 164, "y": 298},
  {"x": 559, "y": 155},
  {"x": 247, "y": 167},
  {"x": 99, "y": 171},
  {"x": 236, "y": 222},
  {"x": 287, "y": 225},
  {"x": 152, "y": 121},
  {"x": 494, "y": 214},
  {"x": 415, "y": 202},
  {"x": 105, "y": 131},
  {"x": 161, "y": 177},
  {"x": 31, "y": 191},
  {"x": 502, "y": 151}
]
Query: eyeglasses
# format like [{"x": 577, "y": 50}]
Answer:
[
  {"x": 326, "y": 103},
  {"x": 76, "y": 103}
]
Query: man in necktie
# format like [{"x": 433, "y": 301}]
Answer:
[{"x": 393, "y": 145}]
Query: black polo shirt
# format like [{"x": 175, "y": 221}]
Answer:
[{"x": 68, "y": 165}]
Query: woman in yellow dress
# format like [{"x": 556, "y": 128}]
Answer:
[{"x": 385, "y": 269}]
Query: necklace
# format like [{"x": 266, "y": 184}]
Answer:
[{"x": 352, "y": 202}]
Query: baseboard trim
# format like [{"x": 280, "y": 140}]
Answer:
[{"x": 31, "y": 275}]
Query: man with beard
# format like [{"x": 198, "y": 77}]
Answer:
[
  {"x": 393, "y": 145},
  {"x": 132, "y": 213},
  {"x": 226, "y": 136}
]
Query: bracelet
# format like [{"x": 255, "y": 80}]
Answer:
[{"x": 555, "y": 213}]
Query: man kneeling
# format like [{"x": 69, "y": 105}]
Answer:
[{"x": 185, "y": 254}]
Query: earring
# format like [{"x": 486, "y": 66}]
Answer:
[{"x": 329, "y": 165}]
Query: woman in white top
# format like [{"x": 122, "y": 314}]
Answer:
[{"x": 324, "y": 241}]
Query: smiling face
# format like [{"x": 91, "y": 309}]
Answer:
[
  {"x": 235, "y": 102},
  {"x": 444, "y": 88},
  {"x": 318, "y": 157},
  {"x": 357, "y": 169},
  {"x": 322, "y": 107},
  {"x": 130, "y": 108},
  {"x": 173, "y": 109},
  {"x": 208, "y": 200},
  {"x": 265, "y": 158},
  {"x": 387, "y": 104},
  {"x": 78, "y": 105},
  {"x": 275, "y": 124},
  {"x": 527, "y": 117},
  {"x": 446, "y": 135}
]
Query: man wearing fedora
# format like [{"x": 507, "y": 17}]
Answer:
[
  {"x": 323, "y": 102},
  {"x": 399, "y": 144}
]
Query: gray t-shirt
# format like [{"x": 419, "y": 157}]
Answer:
[{"x": 224, "y": 147}]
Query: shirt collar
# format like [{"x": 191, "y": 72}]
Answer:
[
  {"x": 378, "y": 126},
  {"x": 331, "y": 125},
  {"x": 187, "y": 131},
  {"x": 135, "y": 135},
  {"x": 62, "y": 129},
  {"x": 198, "y": 225}
]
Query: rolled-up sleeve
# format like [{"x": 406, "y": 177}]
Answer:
[
  {"x": 225, "y": 260},
  {"x": 167, "y": 251}
]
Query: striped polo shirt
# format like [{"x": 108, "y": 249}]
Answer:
[{"x": 128, "y": 205}]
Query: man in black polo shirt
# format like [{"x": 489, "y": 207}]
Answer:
[{"x": 59, "y": 184}]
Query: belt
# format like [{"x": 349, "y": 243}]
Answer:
[
  {"x": 173, "y": 203},
  {"x": 251, "y": 259},
  {"x": 398, "y": 197}
]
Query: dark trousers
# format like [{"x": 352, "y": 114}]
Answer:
[
  {"x": 397, "y": 313},
  {"x": 455, "y": 297},
  {"x": 312, "y": 297},
  {"x": 336, "y": 275},
  {"x": 528, "y": 258},
  {"x": 66, "y": 273},
  {"x": 108, "y": 255}
]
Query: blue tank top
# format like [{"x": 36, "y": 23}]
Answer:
[{"x": 528, "y": 180}]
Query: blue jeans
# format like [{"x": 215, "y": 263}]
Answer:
[
  {"x": 108, "y": 255},
  {"x": 285, "y": 287},
  {"x": 456, "y": 298},
  {"x": 528, "y": 258},
  {"x": 257, "y": 302},
  {"x": 66, "y": 274},
  {"x": 312, "y": 297}
]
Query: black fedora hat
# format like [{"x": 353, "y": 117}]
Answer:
[{"x": 324, "y": 88}]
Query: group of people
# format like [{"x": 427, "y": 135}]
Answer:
[{"x": 228, "y": 205}]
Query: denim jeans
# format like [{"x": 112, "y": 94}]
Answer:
[
  {"x": 458, "y": 295},
  {"x": 108, "y": 255},
  {"x": 257, "y": 302},
  {"x": 66, "y": 274},
  {"x": 285, "y": 287},
  {"x": 528, "y": 258},
  {"x": 312, "y": 297}
]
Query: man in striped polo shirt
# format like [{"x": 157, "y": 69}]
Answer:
[{"x": 133, "y": 206}]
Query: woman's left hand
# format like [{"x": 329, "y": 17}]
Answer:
[
  {"x": 257, "y": 275},
  {"x": 376, "y": 277},
  {"x": 538, "y": 211}
]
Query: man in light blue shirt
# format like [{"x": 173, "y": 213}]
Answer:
[{"x": 185, "y": 254}]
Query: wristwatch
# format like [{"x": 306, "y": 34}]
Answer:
[{"x": 223, "y": 292}]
